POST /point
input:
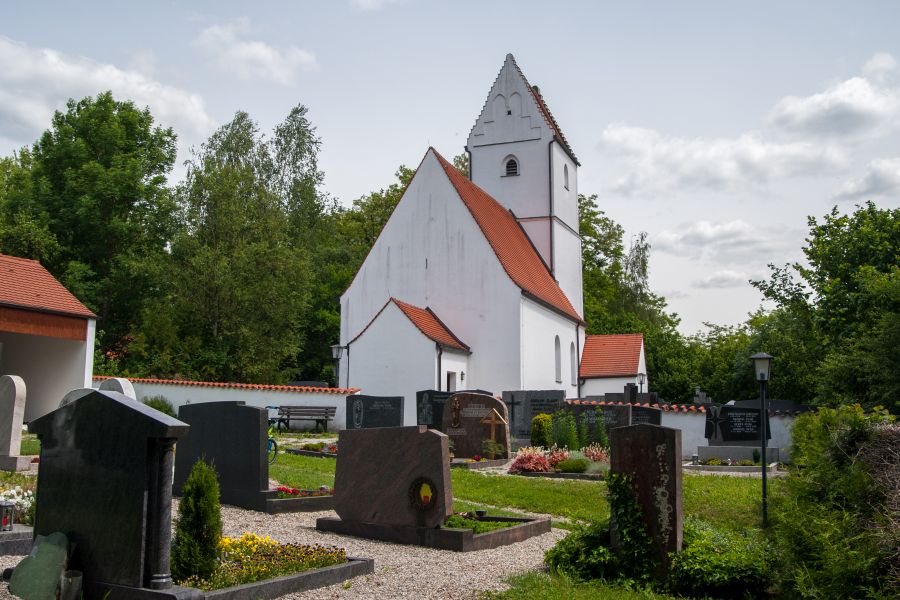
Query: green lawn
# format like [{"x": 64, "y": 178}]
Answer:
[
  {"x": 540, "y": 586},
  {"x": 30, "y": 445},
  {"x": 303, "y": 472}
]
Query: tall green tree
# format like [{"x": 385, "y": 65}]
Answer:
[
  {"x": 236, "y": 304},
  {"x": 90, "y": 200}
]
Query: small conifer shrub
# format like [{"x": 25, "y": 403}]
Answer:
[
  {"x": 542, "y": 431},
  {"x": 198, "y": 529}
]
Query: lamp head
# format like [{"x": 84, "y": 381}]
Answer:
[{"x": 762, "y": 364}]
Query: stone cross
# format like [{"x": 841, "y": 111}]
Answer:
[
  {"x": 12, "y": 411},
  {"x": 493, "y": 420}
]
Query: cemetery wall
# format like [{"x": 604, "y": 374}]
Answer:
[
  {"x": 393, "y": 358},
  {"x": 693, "y": 427},
  {"x": 599, "y": 386},
  {"x": 540, "y": 326},
  {"x": 50, "y": 367},
  {"x": 421, "y": 260},
  {"x": 184, "y": 392}
]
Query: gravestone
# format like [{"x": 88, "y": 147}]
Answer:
[
  {"x": 118, "y": 384},
  {"x": 74, "y": 395},
  {"x": 393, "y": 476},
  {"x": 646, "y": 415},
  {"x": 733, "y": 425},
  {"x": 524, "y": 405},
  {"x": 470, "y": 419},
  {"x": 651, "y": 456},
  {"x": 430, "y": 407},
  {"x": 616, "y": 415},
  {"x": 232, "y": 438},
  {"x": 364, "y": 412},
  {"x": 106, "y": 482},
  {"x": 12, "y": 412},
  {"x": 631, "y": 393}
]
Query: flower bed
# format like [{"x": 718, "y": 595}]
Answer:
[
  {"x": 23, "y": 499},
  {"x": 289, "y": 492},
  {"x": 592, "y": 460},
  {"x": 465, "y": 521},
  {"x": 251, "y": 558}
]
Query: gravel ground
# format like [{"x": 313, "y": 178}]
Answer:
[{"x": 400, "y": 571}]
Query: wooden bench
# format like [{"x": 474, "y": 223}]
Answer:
[{"x": 319, "y": 414}]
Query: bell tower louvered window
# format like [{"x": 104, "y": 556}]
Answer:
[{"x": 512, "y": 167}]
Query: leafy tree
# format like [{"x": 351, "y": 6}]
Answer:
[{"x": 90, "y": 201}]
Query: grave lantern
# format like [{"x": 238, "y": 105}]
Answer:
[
  {"x": 762, "y": 363},
  {"x": 7, "y": 512}
]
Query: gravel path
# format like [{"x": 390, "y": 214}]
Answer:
[{"x": 400, "y": 571}]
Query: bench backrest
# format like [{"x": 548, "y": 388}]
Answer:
[{"x": 307, "y": 411}]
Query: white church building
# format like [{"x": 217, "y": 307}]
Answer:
[{"x": 476, "y": 283}]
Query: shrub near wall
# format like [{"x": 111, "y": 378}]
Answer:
[{"x": 833, "y": 521}]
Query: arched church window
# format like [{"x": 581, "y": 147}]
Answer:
[
  {"x": 566, "y": 176},
  {"x": 573, "y": 361},
  {"x": 512, "y": 167},
  {"x": 558, "y": 360}
]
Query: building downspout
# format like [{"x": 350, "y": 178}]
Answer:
[
  {"x": 440, "y": 352},
  {"x": 348, "y": 366},
  {"x": 578, "y": 359},
  {"x": 550, "y": 178}
]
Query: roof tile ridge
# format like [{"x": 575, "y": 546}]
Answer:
[{"x": 372, "y": 320}]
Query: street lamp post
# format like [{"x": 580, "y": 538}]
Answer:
[
  {"x": 762, "y": 364},
  {"x": 642, "y": 377},
  {"x": 336, "y": 351}
]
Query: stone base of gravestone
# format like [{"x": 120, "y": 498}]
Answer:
[
  {"x": 736, "y": 453},
  {"x": 651, "y": 456},
  {"x": 15, "y": 463},
  {"x": 18, "y": 541}
]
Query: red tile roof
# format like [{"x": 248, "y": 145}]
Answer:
[
  {"x": 510, "y": 243},
  {"x": 429, "y": 324},
  {"x": 240, "y": 386},
  {"x": 545, "y": 112},
  {"x": 25, "y": 283},
  {"x": 425, "y": 320},
  {"x": 682, "y": 408},
  {"x": 611, "y": 355}
]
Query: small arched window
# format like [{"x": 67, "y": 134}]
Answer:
[
  {"x": 558, "y": 360},
  {"x": 512, "y": 167},
  {"x": 566, "y": 176},
  {"x": 573, "y": 362}
]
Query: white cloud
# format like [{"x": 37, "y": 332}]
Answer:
[
  {"x": 881, "y": 178},
  {"x": 723, "y": 279},
  {"x": 879, "y": 66},
  {"x": 733, "y": 242},
  {"x": 852, "y": 108},
  {"x": 371, "y": 4},
  {"x": 36, "y": 81},
  {"x": 655, "y": 161},
  {"x": 227, "y": 47}
]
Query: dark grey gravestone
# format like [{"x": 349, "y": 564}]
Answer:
[
  {"x": 733, "y": 425},
  {"x": 430, "y": 407},
  {"x": 631, "y": 393},
  {"x": 616, "y": 415},
  {"x": 106, "y": 482},
  {"x": 651, "y": 456},
  {"x": 393, "y": 476},
  {"x": 470, "y": 419},
  {"x": 524, "y": 405},
  {"x": 364, "y": 412},
  {"x": 646, "y": 415},
  {"x": 232, "y": 437}
]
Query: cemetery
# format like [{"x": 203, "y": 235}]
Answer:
[{"x": 458, "y": 386}]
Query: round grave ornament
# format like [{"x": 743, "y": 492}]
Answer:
[
  {"x": 421, "y": 494},
  {"x": 7, "y": 512}
]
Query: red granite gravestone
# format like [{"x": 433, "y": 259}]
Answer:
[
  {"x": 470, "y": 419},
  {"x": 651, "y": 455},
  {"x": 393, "y": 476}
]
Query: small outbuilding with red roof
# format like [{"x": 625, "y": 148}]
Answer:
[
  {"x": 610, "y": 362},
  {"x": 46, "y": 334}
]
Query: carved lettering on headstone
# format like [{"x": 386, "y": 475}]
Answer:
[{"x": 467, "y": 424}]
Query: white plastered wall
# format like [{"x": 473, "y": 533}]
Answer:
[
  {"x": 432, "y": 253},
  {"x": 51, "y": 367},
  {"x": 693, "y": 427},
  {"x": 393, "y": 358},
  {"x": 540, "y": 326}
]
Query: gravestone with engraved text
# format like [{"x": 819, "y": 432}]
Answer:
[
  {"x": 470, "y": 419},
  {"x": 364, "y": 412}
]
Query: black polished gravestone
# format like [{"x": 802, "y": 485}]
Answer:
[
  {"x": 524, "y": 405},
  {"x": 728, "y": 425},
  {"x": 364, "y": 412},
  {"x": 106, "y": 482},
  {"x": 430, "y": 407},
  {"x": 646, "y": 415},
  {"x": 232, "y": 438}
]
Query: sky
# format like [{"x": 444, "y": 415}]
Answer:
[{"x": 716, "y": 127}]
